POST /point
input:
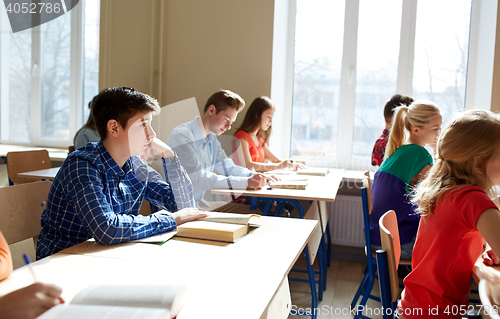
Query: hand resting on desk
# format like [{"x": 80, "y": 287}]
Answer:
[{"x": 185, "y": 215}]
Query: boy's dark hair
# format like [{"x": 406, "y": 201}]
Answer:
[
  {"x": 223, "y": 99},
  {"x": 395, "y": 101},
  {"x": 120, "y": 104}
]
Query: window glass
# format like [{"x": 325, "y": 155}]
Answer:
[
  {"x": 440, "y": 67},
  {"x": 55, "y": 78},
  {"x": 317, "y": 67},
  {"x": 15, "y": 82},
  {"x": 377, "y": 69}
]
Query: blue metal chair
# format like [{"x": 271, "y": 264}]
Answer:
[
  {"x": 388, "y": 262},
  {"x": 366, "y": 286}
]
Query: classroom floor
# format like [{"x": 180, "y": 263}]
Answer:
[{"x": 343, "y": 279}]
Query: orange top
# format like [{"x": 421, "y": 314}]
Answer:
[
  {"x": 5, "y": 258},
  {"x": 256, "y": 151}
]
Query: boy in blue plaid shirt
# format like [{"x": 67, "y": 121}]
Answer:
[{"x": 100, "y": 187}]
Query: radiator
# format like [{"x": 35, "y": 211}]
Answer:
[{"x": 346, "y": 221}]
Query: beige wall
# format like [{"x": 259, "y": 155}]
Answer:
[
  {"x": 495, "y": 95},
  {"x": 179, "y": 49}
]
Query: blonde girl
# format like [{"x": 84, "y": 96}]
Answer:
[
  {"x": 457, "y": 212},
  {"x": 406, "y": 163},
  {"x": 250, "y": 141}
]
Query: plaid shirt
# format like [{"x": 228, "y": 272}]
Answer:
[
  {"x": 379, "y": 148},
  {"x": 92, "y": 196}
]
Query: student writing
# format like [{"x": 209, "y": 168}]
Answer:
[
  {"x": 253, "y": 136},
  {"x": 200, "y": 152},
  {"x": 457, "y": 213},
  {"x": 100, "y": 187},
  {"x": 28, "y": 302},
  {"x": 406, "y": 163}
]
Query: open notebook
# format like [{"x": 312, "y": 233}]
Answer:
[{"x": 122, "y": 302}]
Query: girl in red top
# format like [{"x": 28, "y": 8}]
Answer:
[
  {"x": 457, "y": 216},
  {"x": 253, "y": 136}
]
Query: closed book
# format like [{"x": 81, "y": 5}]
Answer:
[{"x": 226, "y": 227}]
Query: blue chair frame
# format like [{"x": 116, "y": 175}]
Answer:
[
  {"x": 368, "y": 281},
  {"x": 388, "y": 306}
]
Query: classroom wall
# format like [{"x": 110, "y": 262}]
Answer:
[
  {"x": 495, "y": 95},
  {"x": 178, "y": 49}
]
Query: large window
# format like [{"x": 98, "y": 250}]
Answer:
[
  {"x": 351, "y": 56},
  {"x": 48, "y": 75}
]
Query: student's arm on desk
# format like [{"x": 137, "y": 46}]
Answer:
[
  {"x": 245, "y": 159},
  {"x": 288, "y": 163}
]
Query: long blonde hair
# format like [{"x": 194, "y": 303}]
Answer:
[
  {"x": 418, "y": 114},
  {"x": 472, "y": 134}
]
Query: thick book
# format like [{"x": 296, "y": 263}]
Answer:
[
  {"x": 123, "y": 301},
  {"x": 316, "y": 171},
  {"x": 226, "y": 227},
  {"x": 289, "y": 184}
]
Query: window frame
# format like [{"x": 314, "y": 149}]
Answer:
[
  {"x": 479, "y": 70},
  {"x": 75, "y": 119}
]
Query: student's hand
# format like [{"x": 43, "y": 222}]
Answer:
[
  {"x": 490, "y": 258},
  {"x": 285, "y": 164},
  {"x": 30, "y": 302},
  {"x": 272, "y": 178},
  {"x": 188, "y": 214},
  {"x": 256, "y": 181},
  {"x": 297, "y": 166},
  {"x": 157, "y": 147}
]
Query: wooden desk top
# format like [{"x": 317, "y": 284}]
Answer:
[
  {"x": 320, "y": 188},
  {"x": 226, "y": 280},
  {"x": 49, "y": 173},
  {"x": 56, "y": 154}
]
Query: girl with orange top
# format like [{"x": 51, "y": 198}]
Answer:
[
  {"x": 28, "y": 302},
  {"x": 250, "y": 141}
]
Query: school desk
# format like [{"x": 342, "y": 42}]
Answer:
[
  {"x": 320, "y": 188},
  {"x": 246, "y": 279},
  {"x": 48, "y": 174}
]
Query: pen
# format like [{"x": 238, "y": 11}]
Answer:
[{"x": 27, "y": 261}]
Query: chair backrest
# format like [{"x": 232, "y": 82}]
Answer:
[
  {"x": 484, "y": 295},
  {"x": 389, "y": 236},
  {"x": 21, "y": 211},
  {"x": 367, "y": 183},
  {"x": 19, "y": 162}
]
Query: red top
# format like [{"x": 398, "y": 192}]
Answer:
[
  {"x": 447, "y": 246},
  {"x": 5, "y": 259},
  {"x": 256, "y": 151}
]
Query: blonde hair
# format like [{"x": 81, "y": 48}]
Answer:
[
  {"x": 472, "y": 134},
  {"x": 418, "y": 114}
]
